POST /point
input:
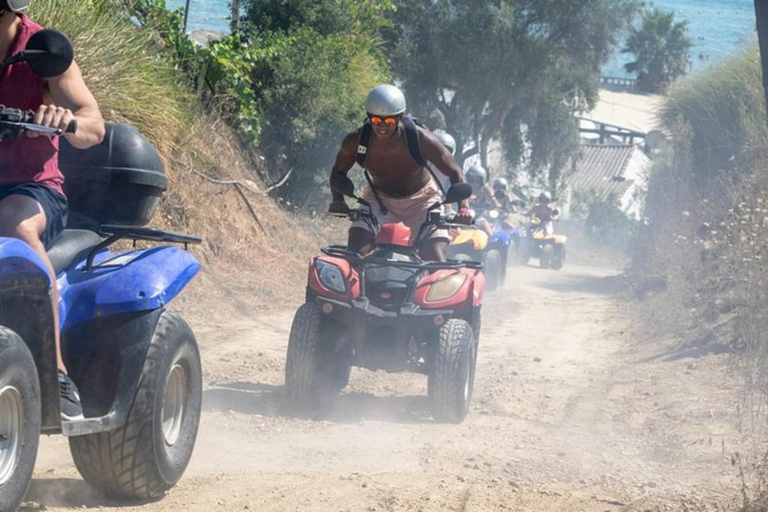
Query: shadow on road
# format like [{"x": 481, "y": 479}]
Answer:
[
  {"x": 255, "y": 398},
  {"x": 583, "y": 283}
]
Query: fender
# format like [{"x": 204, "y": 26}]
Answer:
[
  {"x": 105, "y": 357},
  {"x": 469, "y": 294},
  {"x": 26, "y": 309},
  {"x": 500, "y": 238},
  {"x": 126, "y": 282}
]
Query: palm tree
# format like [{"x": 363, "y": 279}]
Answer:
[{"x": 662, "y": 50}]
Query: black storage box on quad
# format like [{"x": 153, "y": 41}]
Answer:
[{"x": 120, "y": 181}]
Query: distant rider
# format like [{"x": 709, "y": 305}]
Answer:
[
  {"x": 33, "y": 207},
  {"x": 482, "y": 199},
  {"x": 544, "y": 212},
  {"x": 506, "y": 201},
  {"x": 403, "y": 189}
]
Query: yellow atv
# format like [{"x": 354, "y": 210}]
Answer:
[
  {"x": 474, "y": 245},
  {"x": 544, "y": 244}
]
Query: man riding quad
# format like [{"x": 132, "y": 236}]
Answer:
[
  {"x": 33, "y": 207},
  {"x": 543, "y": 211},
  {"x": 395, "y": 152},
  {"x": 482, "y": 199},
  {"x": 506, "y": 201}
]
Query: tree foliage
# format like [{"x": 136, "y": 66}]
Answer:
[
  {"x": 662, "y": 50},
  {"x": 323, "y": 58},
  {"x": 510, "y": 69}
]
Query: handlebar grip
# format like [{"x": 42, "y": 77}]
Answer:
[{"x": 72, "y": 127}]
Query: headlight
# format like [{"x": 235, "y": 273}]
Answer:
[
  {"x": 493, "y": 214},
  {"x": 331, "y": 277},
  {"x": 446, "y": 287}
]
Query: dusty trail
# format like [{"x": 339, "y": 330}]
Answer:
[{"x": 571, "y": 412}]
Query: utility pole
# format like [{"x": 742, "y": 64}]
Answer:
[
  {"x": 761, "y": 13},
  {"x": 186, "y": 15}
]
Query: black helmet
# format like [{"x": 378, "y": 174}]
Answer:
[
  {"x": 500, "y": 184},
  {"x": 477, "y": 173},
  {"x": 544, "y": 197},
  {"x": 14, "y": 6}
]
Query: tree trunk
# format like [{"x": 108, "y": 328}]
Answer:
[
  {"x": 761, "y": 12},
  {"x": 234, "y": 23}
]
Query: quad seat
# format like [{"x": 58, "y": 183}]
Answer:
[{"x": 72, "y": 244}]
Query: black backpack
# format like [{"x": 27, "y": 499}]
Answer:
[
  {"x": 414, "y": 149},
  {"x": 411, "y": 137}
]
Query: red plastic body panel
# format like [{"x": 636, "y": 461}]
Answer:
[
  {"x": 350, "y": 276},
  {"x": 394, "y": 234},
  {"x": 470, "y": 294}
]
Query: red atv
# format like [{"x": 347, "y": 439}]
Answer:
[{"x": 388, "y": 310}]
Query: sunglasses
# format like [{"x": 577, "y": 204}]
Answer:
[{"x": 378, "y": 121}]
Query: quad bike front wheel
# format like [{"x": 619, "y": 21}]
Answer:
[
  {"x": 19, "y": 419},
  {"x": 451, "y": 377},
  {"x": 315, "y": 370},
  {"x": 149, "y": 454}
]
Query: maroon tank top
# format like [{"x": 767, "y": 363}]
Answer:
[{"x": 26, "y": 160}]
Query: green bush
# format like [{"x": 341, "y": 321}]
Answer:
[{"x": 121, "y": 66}]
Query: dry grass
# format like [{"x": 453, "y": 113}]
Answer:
[
  {"x": 248, "y": 265},
  {"x": 703, "y": 258}
]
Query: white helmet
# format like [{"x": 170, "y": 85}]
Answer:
[
  {"x": 386, "y": 101},
  {"x": 446, "y": 140},
  {"x": 14, "y": 6}
]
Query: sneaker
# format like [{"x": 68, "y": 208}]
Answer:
[{"x": 69, "y": 399}]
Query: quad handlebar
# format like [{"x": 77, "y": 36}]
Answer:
[{"x": 14, "y": 122}]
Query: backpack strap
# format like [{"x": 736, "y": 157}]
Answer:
[
  {"x": 363, "y": 143},
  {"x": 414, "y": 148},
  {"x": 412, "y": 139}
]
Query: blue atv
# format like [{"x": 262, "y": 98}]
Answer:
[
  {"x": 136, "y": 365},
  {"x": 497, "y": 254},
  {"x": 512, "y": 239},
  {"x": 475, "y": 245}
]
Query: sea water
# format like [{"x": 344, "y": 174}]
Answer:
[{"x": 718, "y": 28}]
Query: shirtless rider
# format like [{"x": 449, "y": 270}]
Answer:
[{"x": 405, "y": 188}]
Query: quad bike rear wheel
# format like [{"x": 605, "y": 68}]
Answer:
[
  {"x": 546, "y": 255},
  {"x": 494, "y": 271},
  {"x": 19, "y": 419},
  {"x": 149, "y": 454},
  {"x": 451, "y": 377},
  {"x": 558, "y": 261},
  {"x": 315, "y": 372}
]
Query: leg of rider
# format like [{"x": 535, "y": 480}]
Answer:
[
  {"x": 22, "y": 217},
  {"x": 434, "y": 250},
  {"x": 360, "y": 240}
]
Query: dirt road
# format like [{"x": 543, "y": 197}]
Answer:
[{"x": 573, "y": 410}]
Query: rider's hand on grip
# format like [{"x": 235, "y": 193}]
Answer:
[
  {"x": 464, "y": 216},
  {"x": 54, "y": 117},
  {"x": 339, "y": 208}
]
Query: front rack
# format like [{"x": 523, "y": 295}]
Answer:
[
  {"x": 341, "y": 251},
  {"x": 115, "y": 233}
]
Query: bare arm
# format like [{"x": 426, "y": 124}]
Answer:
[
  {"x": 68, "y": 98},
  {"x": 345, "y": 159},
  {"x": 436, "y": 153}
]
